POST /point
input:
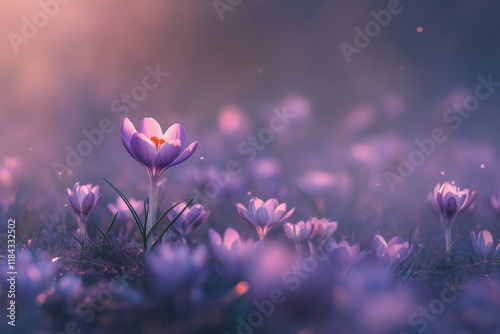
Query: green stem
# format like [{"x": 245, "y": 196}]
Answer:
[{"x": 153, "y": 184}]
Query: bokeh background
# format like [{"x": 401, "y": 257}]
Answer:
[{"x": 226, "y": 76}]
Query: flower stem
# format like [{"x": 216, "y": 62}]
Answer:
[
  {"x": 153, "y": 184},
  {"x": 447, "y": 238}
]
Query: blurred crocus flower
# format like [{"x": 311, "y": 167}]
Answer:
[
  {"x": 392, "y": 253},
  {"x": 298, "y": 233},
  {"x": 233, "y": 252},
  {"x": 264, "y": 215},
  {"x": 154, "y": 149},
  {"x": 190, "y": 220},
  {"x": 484, "y": 246},
  {"x": 177, "y": 270},
  {"x": 450, "y": 201},
  {"x": 323, "y": 228},
  {"x": 343, "y": 254},
  {"x": 83, "y": 199},
  {"x": 123, "y": 210},
  {"x": 495, "y": 204}
]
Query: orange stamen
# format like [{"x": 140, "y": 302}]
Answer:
[{"x": 157, "y": 141}]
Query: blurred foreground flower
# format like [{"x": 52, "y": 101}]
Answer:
[
  {"x": 231, "y": 251},
  {"x": 83, "y": 199},
  {"x": 392, "y": 253},
  {"x": 343, "y": 254},
  {"x": 177, "y": 270},
  {"x": 156, "y": 151},
  {"x": 450, "y": 201},
  {"x": 190, "y": 220},
  {"x": 298, "y": 233},
  {"x": 484, "y": 246},
  {"x": 264, "y": 216}
]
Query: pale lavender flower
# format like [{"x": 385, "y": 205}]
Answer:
[
  {"x": 323, "y": 228},
  {"x": 298, "y": 233},
  {"x": 264, "y": 216},
  {"x": 154, "y": 149},
  {"x": 233, "y": 252},
  {"x": 392, "y": 253},
  {"x": 484, "y": 245},
  {"x": 190, "y": 220},
  {"x": 450, "y": 201},
  {"x": 343, "y": 254},
  {"x": 83, "y": 199},
  {"x": 177, "y": 268},
  {"x": 123, "y": 211}
]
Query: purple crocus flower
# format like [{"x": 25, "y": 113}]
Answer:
[
  {"x": 156, "y": 150},
  {"x": 391, "y": 253},
  {"x": 323, "y": 228},
  {"x": 83, "y": 199},
  {"x": 190, "y": 220},
  {"x": 343, "y": 254},
  {"x": 233, "y": 252},
  {"x": 298, "y": 233},
  {"x": 450, "y": 201},
  {"x": 484, "y": 246},
  {"x": 264, "y": 216}
]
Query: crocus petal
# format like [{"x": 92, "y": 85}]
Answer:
[
  {"x": 168, "y": 152},
  {"x": 88, "y": 204},
  {"x": 150, "y": 128},
  {"x": 230, "y": 236},
  {"x": 127, "y": 131},
  {"x": 214, "y": 237},
  {"x": 189, "y": 151},
  {"x": 243, "y": 213},
  {"x": 394, "y": 241},
  {"x": 143, "y": 149},
  {"x": 473, "y": 240},
  {"x": 175, "y": 131},
  {"x": 261, "y": 216}
]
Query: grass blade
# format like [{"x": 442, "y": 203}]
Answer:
[
  {"x": 166, "y": 212},
  {"x": 130, "y": 207},
  {"x": 111, "y": 224},
  {"x": 170, "y": 224}
]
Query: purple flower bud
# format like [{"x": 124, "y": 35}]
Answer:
[
  {"x": 190, "y": 220},
  {"x": 484, "y": 246},
  {"x": 390, "y": 254}
]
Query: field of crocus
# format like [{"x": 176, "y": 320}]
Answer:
[
  {"x": 247, "y": 167},
  {"x": 182, "y": 268}
]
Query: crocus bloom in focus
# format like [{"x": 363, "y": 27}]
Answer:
[
  {"x": 83, "y": 199},
  {"x": 190, "y": 220},
  {"x": 156, "y": 150},
  {"x": 264, "y": 215},
  {"x": 450, "y": 201},
  {"x": 298, "y": 233},
  {"x": 484, "y": 246},
  {"x": 323, "y": 228},
  {"x": 392, "y": 253}
]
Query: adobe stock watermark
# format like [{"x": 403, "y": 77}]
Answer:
[
  {"x": 121, "y": 107},
  {"x": 427, "y": 146},
  {"x": 436, "y": 307},
  {"x": 31, "y": 26},
  {"x": 363, "y": 38},
  {"x": 222, "y": 6},
  {"x": 292, "y": 278},
  {"x": 249, "y": 148}
]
